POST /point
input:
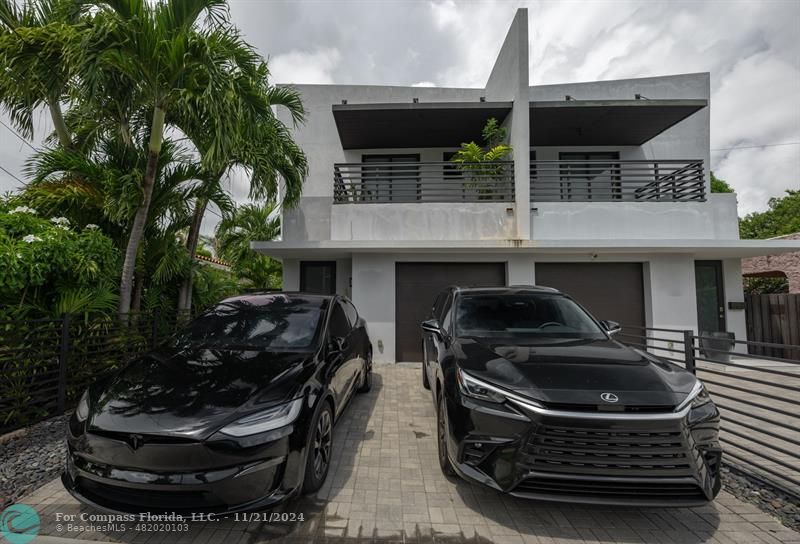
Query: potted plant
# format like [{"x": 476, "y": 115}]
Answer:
[{"x": 484, "y": 166}]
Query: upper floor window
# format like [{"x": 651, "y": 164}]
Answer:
[
  {"x": 393, "y": 178},
  {"x": 587, "y": 175}
]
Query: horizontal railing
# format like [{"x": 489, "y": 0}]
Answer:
[
  {"x": 393, "y": 182},
  {"x": 617, "y": 181},
  {"x": 758, "y": 397}
]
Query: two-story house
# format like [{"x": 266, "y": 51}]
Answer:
[{"x": 606, "y": 197}]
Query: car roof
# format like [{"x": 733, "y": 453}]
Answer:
[
  {"x": 263, "y": 297},
  {"x": 507, "y": 290}
]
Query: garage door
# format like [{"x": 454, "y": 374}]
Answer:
[
  {"x": 608, "y": 290},
  {"x": 416, "y": 287}
]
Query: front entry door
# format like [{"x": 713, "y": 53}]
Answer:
[
  {"x": 318, "y": 277},
  {"x": 710, "y": 296}
]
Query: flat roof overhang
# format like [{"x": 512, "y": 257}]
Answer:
[
  {"x": 705, "y": 248},
  {"x": 414, "y": 125},
  {"x": 606, "y": 122}
]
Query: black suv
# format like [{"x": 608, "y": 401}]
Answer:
[{"x": 535, "y": 398}]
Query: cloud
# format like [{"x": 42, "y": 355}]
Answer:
[
  {"x": 304, "y": 67},
  {"x": 751, "y": 50},
  {"x": 424, "y": 84}
]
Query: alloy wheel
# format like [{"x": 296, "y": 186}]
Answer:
[{"x": 322, "y": 444}]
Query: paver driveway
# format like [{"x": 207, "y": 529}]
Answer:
[{"x": 385, "y": 486}]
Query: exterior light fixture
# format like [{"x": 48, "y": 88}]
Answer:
[{"x": 415, "y": 100}]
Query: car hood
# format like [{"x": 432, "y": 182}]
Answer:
[
  {"x": 192, "y": 393},
  {"x": 571, "y": 372}
]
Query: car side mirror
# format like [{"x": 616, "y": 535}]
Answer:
[
  {"x": 432, "y": 325},
  {"x": 612, "y": 327}
]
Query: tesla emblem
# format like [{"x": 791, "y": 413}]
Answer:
[
  {"x": 609, "y": 397},
  {"x": 136, "y": 441}
]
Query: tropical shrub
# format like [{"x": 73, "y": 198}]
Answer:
[{"x": 50, "y": 268}]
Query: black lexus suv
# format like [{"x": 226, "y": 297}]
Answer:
[{"x": 534, "y": 397}]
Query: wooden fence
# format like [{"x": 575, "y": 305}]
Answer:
[{"x": 774, "y": 319}]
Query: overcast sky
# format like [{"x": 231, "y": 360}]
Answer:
[{"x": 751, "y": 49}]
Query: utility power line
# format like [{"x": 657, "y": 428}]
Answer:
[
  {"x": 18, "y": 135},
  {"x": 11, "y": 174},
  {"x": 754, "y": 146}
]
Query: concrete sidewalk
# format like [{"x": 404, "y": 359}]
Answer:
[{"x": 385, "y": 486}]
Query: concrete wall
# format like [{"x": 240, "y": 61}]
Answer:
[
  {"x": 735, "y": 320},
  {"x": 715, "y": 219},
  {"x": 425, "y": 221},
  {"x": 509, "y": 81}
]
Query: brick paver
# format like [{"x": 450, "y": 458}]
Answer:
[{"x": 385, "y": 486}]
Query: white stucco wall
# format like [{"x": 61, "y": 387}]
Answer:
[
  {"x": 735, "y": 321},
  {"x": 423, "y": 221},
  {"x": 714, "y": 219},
  {"x": 509, "y": 81}
]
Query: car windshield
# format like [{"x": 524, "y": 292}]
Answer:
[
  {"x": 260, "y": 322},
  {"x": 536, "y": 315}
]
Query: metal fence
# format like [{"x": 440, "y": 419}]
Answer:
[
  {"x": 610, "y": 180},
  {"x": 46, "y": 364},
  {"x": 398, "y": 182},
  {"x": 757, "y": 395}
]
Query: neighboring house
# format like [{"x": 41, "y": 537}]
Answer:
[
  {"x": 786, "y": 265},
  {"x": 606, "y": 197}
]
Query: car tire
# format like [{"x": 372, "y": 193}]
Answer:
[
  {"x": 441, "y": 437},
  {"x": 366, "y": 376},
  {"x": 425, "y": 383},
  {"x": 320, "y": 448}
]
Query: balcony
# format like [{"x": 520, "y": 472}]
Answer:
[
  {"x": 617, "y": 181},
  {"x": 411, "y": 182}
]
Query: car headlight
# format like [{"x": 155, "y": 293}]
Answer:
[
  {"x": 477, "y": 389},
  {"x": 82, "y": 410},
  {"x": 269, "y": 419},
  {"x": 697, "y": 397}
]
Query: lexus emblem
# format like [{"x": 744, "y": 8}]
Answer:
[{"x": 609, "y": 397}]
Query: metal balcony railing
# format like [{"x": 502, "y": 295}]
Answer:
[
  {"x": 617, "y": 181},
  {"x": 405, "y": 182}
]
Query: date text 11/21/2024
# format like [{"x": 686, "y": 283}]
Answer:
[{"x": 246, "y": 517}]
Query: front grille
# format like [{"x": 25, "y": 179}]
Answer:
[
  {"x": 144, "y": 438},
  {"x": 144, "y": 499},
  {"x": 641, "y": 408},
  {"x": 612, "y": 490},
  {"x": 592, "y": 452}
]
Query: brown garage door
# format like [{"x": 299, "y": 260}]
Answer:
[
  {"x": 416, "y": 287},
  {"x": 608, "y": 290}
]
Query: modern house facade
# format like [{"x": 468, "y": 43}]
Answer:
[{"x": 606, "y": 197}]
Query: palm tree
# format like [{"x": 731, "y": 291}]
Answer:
[
  {"x": 234, "y": 234},
  {"x": 168, "y": 60},
  {"x": 265, "y": 149},
  {"x": 38, "y": 41}
]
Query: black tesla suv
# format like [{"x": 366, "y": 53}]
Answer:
[
  {"x": 234, "y": 413},
  {"x": 535, "y": 398}
]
